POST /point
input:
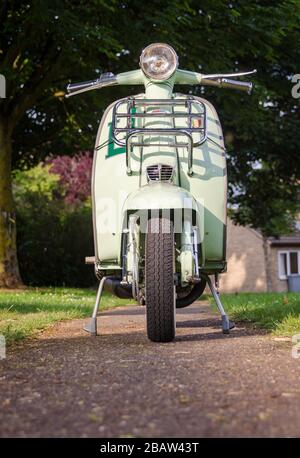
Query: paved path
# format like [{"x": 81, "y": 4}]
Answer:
[{"x": 66, "y": 383}]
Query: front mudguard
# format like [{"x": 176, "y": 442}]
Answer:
[
  {"x": 176, "y": 203},
  {"x": 164, "y": 197}
]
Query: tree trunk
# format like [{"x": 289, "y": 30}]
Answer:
[
  {"x": 9, "y": 269},
  {"x": 267, "y": 265}
]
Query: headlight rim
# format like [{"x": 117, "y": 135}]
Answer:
[{"x": 159, "y": 77}]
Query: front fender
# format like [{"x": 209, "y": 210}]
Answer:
[
  {"x": 158, "y": 196},
  {"x": 166, "y": 197}
]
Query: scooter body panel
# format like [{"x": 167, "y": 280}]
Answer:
[{"x": 114, "y": 192}]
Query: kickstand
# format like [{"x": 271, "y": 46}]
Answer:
[
  {"x": 91, "y": 326},
  {"x": 226, "y": 324}
]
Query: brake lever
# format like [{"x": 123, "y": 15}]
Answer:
[{"x": 228, "y": 75}]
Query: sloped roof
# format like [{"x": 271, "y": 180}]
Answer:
[{"x": 288, "y": 240}]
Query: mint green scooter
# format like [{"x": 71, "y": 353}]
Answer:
[{"x": 159, "y": 188}]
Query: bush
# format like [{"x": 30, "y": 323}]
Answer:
[
  {"x": 53, "y": 236},
  {"x": 74, "y": 176}
]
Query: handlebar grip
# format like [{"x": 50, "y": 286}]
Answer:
[
  {"x": 228, "y": 83},
  {"x": 240, "y": 85},
  {"x": 106, "y": 79},
  {"x": 77, "y": 86}
]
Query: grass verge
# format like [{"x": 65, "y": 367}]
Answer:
[
  {"x": 23, "y": 313},
  {"x": 278, "y": 313}
]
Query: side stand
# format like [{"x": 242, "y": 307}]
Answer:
[
  {"x": 91, "y": 327},
  {"x": 226, "y": 324}
]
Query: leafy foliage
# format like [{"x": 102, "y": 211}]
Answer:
[
  {"x": 267, "y": 202},
  {"x": 37, "y": 181},
  {"x": 45, "y": 44},
  {"x": 53, "y": 238},
  {"x": 74, "y": 176}
]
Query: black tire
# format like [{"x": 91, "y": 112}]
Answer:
[
  {"x": 192, "y": 296},
  {"x": 159, "y": 280}
]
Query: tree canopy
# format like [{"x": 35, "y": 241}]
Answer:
[{"x": 45, "y": 44}]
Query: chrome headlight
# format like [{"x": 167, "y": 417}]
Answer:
[{"x": 159, "y": 61}]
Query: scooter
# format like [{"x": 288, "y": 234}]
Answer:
[{"x": 159, "y": 188}]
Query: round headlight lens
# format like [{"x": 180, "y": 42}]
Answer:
[{"x": 159, "y": 61}]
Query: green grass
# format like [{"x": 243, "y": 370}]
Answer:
[
  {"x": 278, "y": 313},
  {"x": 23, "y": 313}
]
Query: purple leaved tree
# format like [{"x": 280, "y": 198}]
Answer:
[{"x": 75, "y": 175}]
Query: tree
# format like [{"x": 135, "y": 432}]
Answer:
[
  {"x": 75, "y": 176},
  {"x": 44, "y": 43},
  {"x": 262, "y": 132},
  {"x": 268, "y": 203}
]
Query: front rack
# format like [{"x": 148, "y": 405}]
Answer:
[{"x": 133, "y": 111}]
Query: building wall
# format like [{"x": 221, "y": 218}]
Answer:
[
  {"x": 277, "y": 284},
  {"x": 245, "y": 261}
]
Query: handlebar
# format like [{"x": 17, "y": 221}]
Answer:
[
  {"x": 228, "y": 83},
  {"x": 77, "y": 86},
  {"x": 180, "y": 77},
  {"x": 106, "y": 79}
]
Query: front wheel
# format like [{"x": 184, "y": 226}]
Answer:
[{"x": 159, "y": 280}]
